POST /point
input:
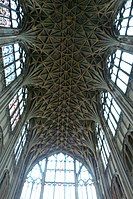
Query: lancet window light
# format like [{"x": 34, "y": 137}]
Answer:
[
  {"x": 120, "y": 68},
  {"x": 102, "y": 145},
  {"x": 124, "y": 19},
  {"x": 16, "y": 106},
  {"x": 21, "y": 142},
  {"x": 13, "y": 60},
  {"x": 111, "y": 111},
  {"x": 59, "y": 177}
]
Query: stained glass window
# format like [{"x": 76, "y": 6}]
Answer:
[
  {"x": 21, "y": 142},
  {"x": 120, "y": 67},
  {"x": 11, "y": 13},
  {"x": 59, "y": 177},
  {"x": 16, "y": 106},
  {"x": 13, "y": 61},
  {"x": 111, "y": 111},
  {"x": 124, "y": 19}
]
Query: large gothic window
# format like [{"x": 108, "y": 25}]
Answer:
[
  {"x": 11, "y": 13},
  {"x": 16, "y": 106},
  {"x": 124, "y": 19},
  {"x": 120, "y": 67},
  {"x": 13, "y": 61},
  {"x": 111, "y": 111},
  {"x": 59, "y": 177}
]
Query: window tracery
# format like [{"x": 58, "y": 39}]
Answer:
[
  {"x": 120, "y": 67},
  {"x": 124, "y": 19},
  {"x": 58, "y": 177},
  {"x": 21, "y": 142},
  {"x": 111, "y": 111},
  {"x": 16, "y": 106},
  {"x": 14, "y": 58},
  {"x": 11, "y": 13}
]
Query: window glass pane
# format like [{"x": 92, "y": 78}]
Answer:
[
  {"x": 115, "y": 70},
  {"x": 123, "y": 76},
  {"x": 21, "y": 142},
  {"x": 121, "y": 85},
  {"x": 111, "y": 127},
  {"x": 126, "y": 67},
  {"x": 11, "y": 15},
  {"x": 16, "y": 106},
  {"x": 120, "y": 68},
  {"x": 112, "y": 112},
  {"x": 127, "y": 57},
  {"x": 103, "y": 146},
  {"x": 13, "y": 61},
  {"x": 124, "y": 15},
  {"x": 112, "y": 120}
]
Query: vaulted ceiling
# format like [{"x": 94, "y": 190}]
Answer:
[{"x": 68, "y": 43}]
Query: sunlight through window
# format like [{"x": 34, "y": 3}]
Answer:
[
  {"x": 120, "y": 67},
  {"x": 124, "y": 19},
  {"x": 21, "y": 142},
  {"x": 16, "y": 106},
  {"x": 11, "y": 13},
  {"x": 102, "y": 145},
  {"x": 111, "y": 111},
  {"x": 59, "y": 177},
  {"x": 13, "y": 61}
]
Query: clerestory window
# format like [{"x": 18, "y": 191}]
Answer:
[
  {"x": 14, "y": 58},
  {"x": 111, "y": 111},
  {"x": 21, "y": 142},
  {"x": 11, "y": 13},
  {"x": 124, "y": 19},
  {"x": 120, "y": 67},
  {"x": 102, "y": 145},
  {"x": 59, "y": 177},
  {"x": 16, "y": 106}
]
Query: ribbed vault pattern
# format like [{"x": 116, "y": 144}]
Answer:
[{"x": 68, "y": 42}]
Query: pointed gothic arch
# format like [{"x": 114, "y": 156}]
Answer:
[{"x": 60, "y": 176}]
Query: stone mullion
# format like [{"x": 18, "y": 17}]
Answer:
[
  {"x": 5, "y": 32},
  {"x": 122, "y": 101},
  {"x": 98, "y": 181},
  {"x": 43, "y": 180},
  {"x": 117, "y": 160},
  {"x": 76, "y": 181},
  {"x": 8, "y": 40},
  {"x": 9, "y": 148},
  {"x": 8, "y": 35},
  {"x": 126, "y": 43},
  {"x": 8, "y": 93}
]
